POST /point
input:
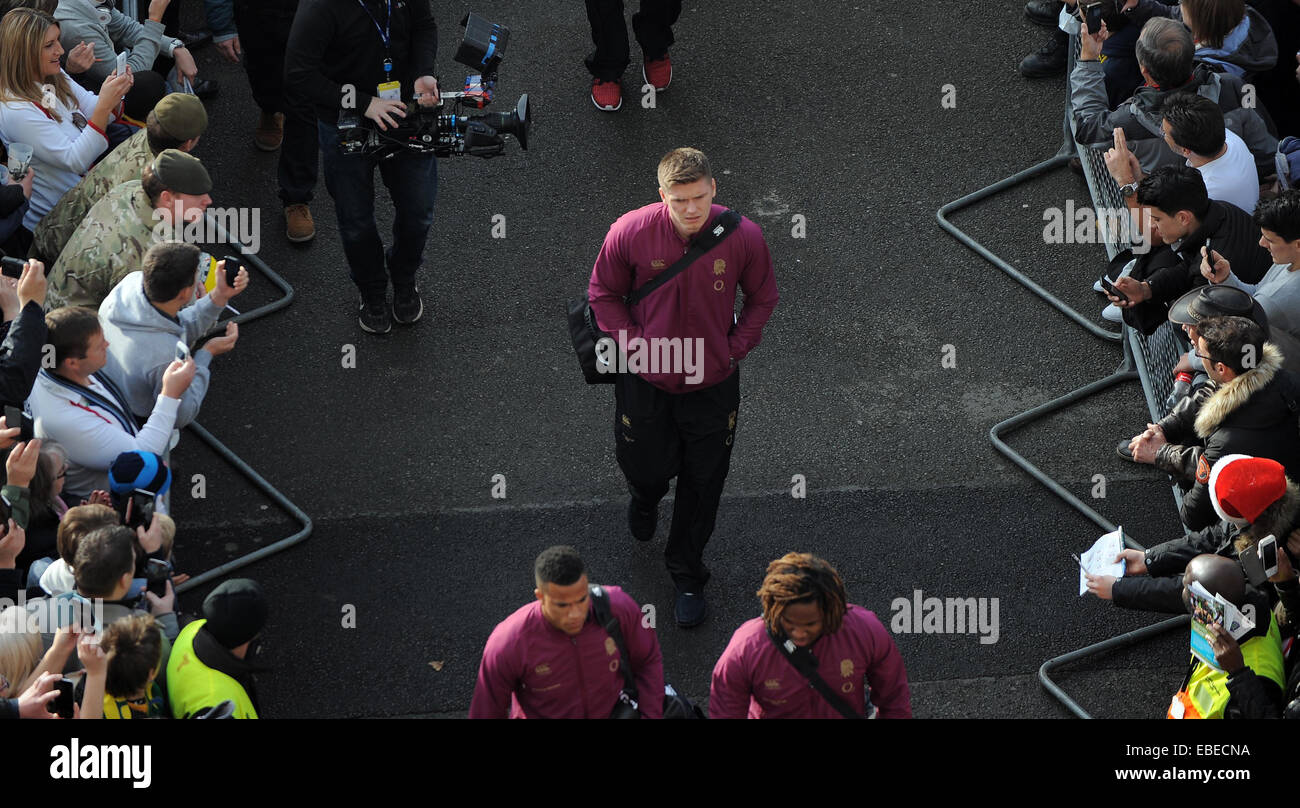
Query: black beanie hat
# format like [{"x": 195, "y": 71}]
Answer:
[{"x": 236, "y": 612}]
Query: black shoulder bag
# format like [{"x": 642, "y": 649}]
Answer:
[
  {"x": 583, "y": 329},
  {"x": 675, "y": 704},
  {"x": 803, "y": 661}
]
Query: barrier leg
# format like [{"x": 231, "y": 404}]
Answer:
[
  {"x": 1015, "y": 179},
  {"x": 261, "y": 484},
  {"x": 1096, "y": 648},
  {"x": 258, "y": 481},
  {"x": 1123, "y": 374}
]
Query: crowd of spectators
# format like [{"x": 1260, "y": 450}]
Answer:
[
  {"x": 1197, "y": 107},
  {"x": 101, "y": 365}
]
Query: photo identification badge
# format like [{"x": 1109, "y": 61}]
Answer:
[{"x": 391, "y": 91}]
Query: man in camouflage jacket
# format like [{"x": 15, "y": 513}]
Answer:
[{"x": 119, "y": 229}]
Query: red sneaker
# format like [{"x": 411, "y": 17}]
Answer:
[
  {"x": 606, "y": 95},
  {"x": 659, "y": 73}
]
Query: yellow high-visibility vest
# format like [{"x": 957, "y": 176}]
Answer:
[
  {"x": 191, "y": 685},
  {"x": 1206, "y": 694}
]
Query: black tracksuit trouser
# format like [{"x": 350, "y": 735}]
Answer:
[
  {"x": 689, "y": 436},
  {"x": 653, "y": 26}
]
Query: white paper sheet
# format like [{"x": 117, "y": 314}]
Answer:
[{"x": 1100, "y": 558}]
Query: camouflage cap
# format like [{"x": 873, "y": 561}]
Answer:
[{"x": 181, "y": 173}]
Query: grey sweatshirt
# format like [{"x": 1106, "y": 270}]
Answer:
[{"x": 142, "y": 343}]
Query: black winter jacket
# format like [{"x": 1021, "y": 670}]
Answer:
[
  {"x": 1148, "y": 315},
  {"x": 336, "y": 42},
  {"x": 1161, "y": 589},
  {"x": 1256, "y": 414},
  {"x": 1233, "y": 234}
]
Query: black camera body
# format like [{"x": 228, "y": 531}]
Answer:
[{"x": 434, "y": 130}]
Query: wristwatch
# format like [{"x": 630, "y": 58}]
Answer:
[
  {"x": 173, "y": 45},
  {"x": 1129, "y": 189}
]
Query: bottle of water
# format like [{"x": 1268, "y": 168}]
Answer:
[{"x": 1182, "y": 384}]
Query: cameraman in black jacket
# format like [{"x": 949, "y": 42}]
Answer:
[{"x": 376, "y": 57}]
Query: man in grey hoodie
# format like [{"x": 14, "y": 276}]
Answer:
[{"x": 148, "y": 312}]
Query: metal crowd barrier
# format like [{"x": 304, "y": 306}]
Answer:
[
  {"x": 1149, "y": 360},
  {"x": 305, "y": 524}
]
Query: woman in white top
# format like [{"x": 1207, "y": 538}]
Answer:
[{"x": 62, "y": 122}]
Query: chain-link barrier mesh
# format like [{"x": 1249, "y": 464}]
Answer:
[
  {"x": 1157, "y": 354},
  {"x": 1160, "y": 353}
]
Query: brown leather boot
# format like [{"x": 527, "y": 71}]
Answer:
[
  {"x": 299, "y": 225},
  {"x": 269, "y": 132}
]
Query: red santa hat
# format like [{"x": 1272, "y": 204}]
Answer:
[{"x": 1242, "y": 487}]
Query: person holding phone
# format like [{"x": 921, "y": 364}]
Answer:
[
  {"x": 176, "y": 122},
  {"x": 151, "y": 312},
  {"x": 65, "y": 124},
  {"x": 1165, "y": 55},
  {"x": 98, "y": 426},
  {"x": 147, "y": 47},
  {"x": 1183, "y": 216},
  {"x": 23, "y": 659},
  {"x": 1279, "y": 290},
  {"x": 20, "y": 470}
]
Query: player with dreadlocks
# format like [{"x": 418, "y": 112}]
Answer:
[{"x": 808, "y": 624}]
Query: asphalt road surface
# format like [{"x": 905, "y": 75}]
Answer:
[{"x": 831, "y": 112}]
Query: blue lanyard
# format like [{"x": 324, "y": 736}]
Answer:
[{"x": 385, "y": 33}]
